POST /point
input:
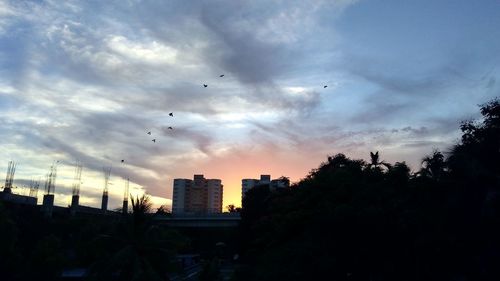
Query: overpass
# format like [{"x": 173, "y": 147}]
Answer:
[{"x": 199, "y": 220}]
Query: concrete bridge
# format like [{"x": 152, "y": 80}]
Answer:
[{"x": 200, "y": 220}]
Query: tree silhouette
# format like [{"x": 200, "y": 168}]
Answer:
[
  {"x": 351, "y": 220},
  {"x": 433, "y": 166},
  {"x": 232, "y": 208},
  {"x": 144, "y": 251},
  {"x": 376, "y": 163}
]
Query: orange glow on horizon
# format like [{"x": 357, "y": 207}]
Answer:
[{"x": 233, "y": 167}]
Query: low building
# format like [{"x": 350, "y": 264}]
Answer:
[
  {"x": 17, "y": 198},
  {"x": 276, "y": 184}
]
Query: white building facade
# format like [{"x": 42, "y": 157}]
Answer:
[
  {"x": 276, "y": 184},
  {"x": 178, "y": 198}
]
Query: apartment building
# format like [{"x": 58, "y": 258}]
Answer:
[{"x": 199, "y": 195}]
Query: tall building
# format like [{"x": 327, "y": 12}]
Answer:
[
  {"x": 247, "y": 184},
  {"x": 199, "y": 195}
]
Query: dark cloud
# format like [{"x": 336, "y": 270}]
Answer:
[
  {"x": 201, "y": 140},
  {"x": 181, "y": 97},
  {"x": 376, "y": 111},
  {"x": 252, "y": 61}
]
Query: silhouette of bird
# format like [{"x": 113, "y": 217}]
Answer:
[
  {"x": 123, "y": 161},
  {"x": 170, "y": 128},
  {"x": 325, "y": 86},
  {"x": 171, "y": 114},
  {"x": 149, "y": 133},
  {"x": 153, "y": 140},
  {"x": 205, "y": 85},
  {"x": 222, "y": 75}
]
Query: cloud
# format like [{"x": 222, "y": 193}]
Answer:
[
  {"x": 7, "y": 16},
  {"x": 416, "y": 131},
  {"x": 153, "y": 52},
  {"x": 201, "y": 140},
  {"x": 87, "y": 80}
]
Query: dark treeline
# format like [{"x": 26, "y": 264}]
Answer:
[
  {"x": 128, "y": 247},
  {"x": 356, "y": 220}
]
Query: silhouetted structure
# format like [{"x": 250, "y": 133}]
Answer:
[
  {"x": 48, "y": 197},
  {"x": 17, "y": 198},
  {"x": 7, "y": 194},
  {"x": 9, "y": 179},
  {"x": 48, "y": 209},
  {"x": 34, "y": 186},
  {"x": 104, "y": 203},
  {"x": 276, "y": 184},
  {"x": 75, "y": 199},
  {"x": 213, "y": 220},
  {"x": 125, "y": 197}
]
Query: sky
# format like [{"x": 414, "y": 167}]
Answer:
[{"x": 86, "y": 80}]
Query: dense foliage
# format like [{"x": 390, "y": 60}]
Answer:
[
  {"x": 113, "y": 247},
  {"x": 353, "y": 220}
]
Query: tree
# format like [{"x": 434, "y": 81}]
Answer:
[
  {"x": 374, "y": 158},
  {"x": 399, "y": 173},
  {"x": 478, "y": 153},
  {"x": 433, "y": 166},
  {"x": 141, "y": 205},
  {"x": 284, "y": 180},
  {"x": 375, "y": 162},
  {"x": 144, "y": 250},
  {"x": 232, "y": 208},
  {"x": 163, "y": 210}
]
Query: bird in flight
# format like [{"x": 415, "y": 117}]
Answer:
[
  {"x": 325, "y": 86},
  {"x": 170, "y": 128},
  {"x": 205, "y": 85},
  {"x": 153, "y": 140},
  {"x": 222, "y": 75},
  {"x": 171, "y": 114},
  {"x": 123, "y": 161},
  {"x": 149, "y": 133}
]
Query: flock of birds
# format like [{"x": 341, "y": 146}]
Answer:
[{"x": 171, "y": 114}]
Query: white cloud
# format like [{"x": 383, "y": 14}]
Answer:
[
  {"x": 6, "y": 9},
  {"x": 151, "y": 52},
  {"x": 7, "y": 16}
]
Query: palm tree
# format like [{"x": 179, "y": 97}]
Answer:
[
  {"x": 144, "y": 249},
  {"x": 433, "y": 166},
  {"x": 375, "y": 162}
]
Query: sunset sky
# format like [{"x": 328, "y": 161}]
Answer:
[{"x": 86, "y": 81}]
